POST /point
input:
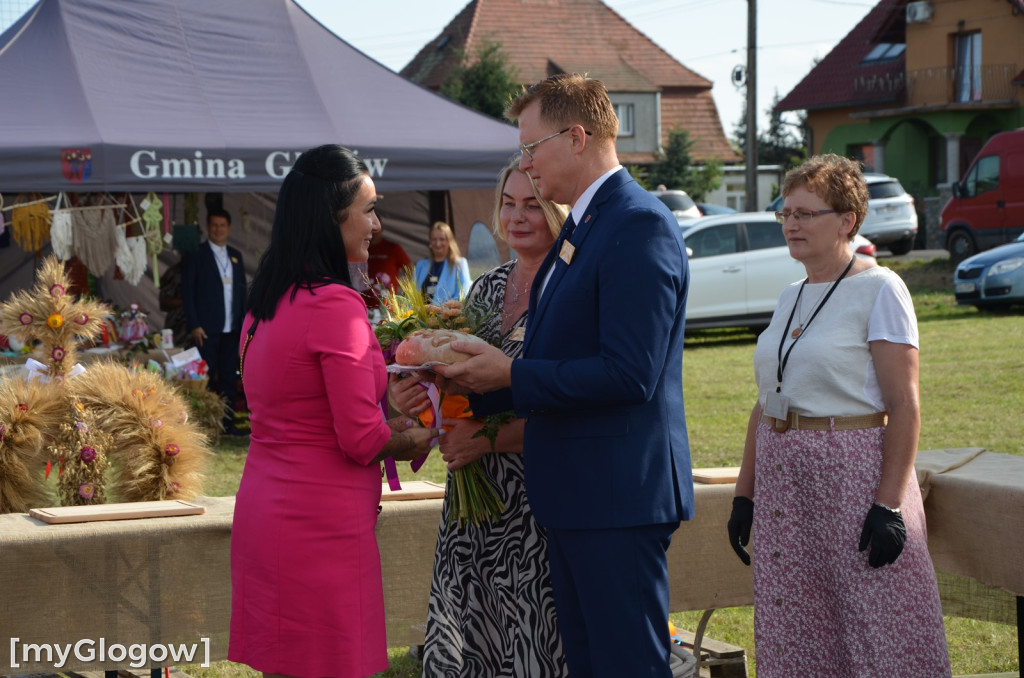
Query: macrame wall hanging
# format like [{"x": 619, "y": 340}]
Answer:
[
  {"x": 95, "y": 228},
  {"x": 30, "y": 222},
  {"x": 131, "y": 244},
  {"x": 62, "y": 236},
  {"x": 152, "y": 218}
]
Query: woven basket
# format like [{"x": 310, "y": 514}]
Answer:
[{"x": 192, "y": 384}]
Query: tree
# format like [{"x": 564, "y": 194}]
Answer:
[
  {"x": 677, "y": 169},
  {"x": 485, "y": 83},
  {"x": 777, "y": 145}
]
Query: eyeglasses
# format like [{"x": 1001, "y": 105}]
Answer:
[
  {"x": 800, "y": 215},
  {"x": 528, "y": 148}
]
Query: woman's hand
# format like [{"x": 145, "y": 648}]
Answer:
[
  {"x": 407, "y": 395},
  {"x": 459, "y": 447},
  {"x": 408, "y": 441}
]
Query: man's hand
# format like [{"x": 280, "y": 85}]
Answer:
[
  {"x": 488, "y": 370},
  {"x": 198, "y": 334}
]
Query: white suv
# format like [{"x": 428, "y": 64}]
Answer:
[
  {"x": 681, "y": 204},
  {"x": 891, "y": 221},
  {"x": 739, "y": 264}
]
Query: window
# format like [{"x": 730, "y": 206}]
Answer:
[
  {"x": 968, "y": 67},
  {"x": 885, "y": 189},
  {"x": 482, "y": 252},
  {"x": 762, "y": 235},
  {"x": 884, "y": 51},
  {"x": 625, "y": 115},
  {"x": 713, "y": 241},
  {"x": 984, "y": 176}
]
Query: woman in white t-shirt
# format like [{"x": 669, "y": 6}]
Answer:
[{"x": 843, "y": 582}]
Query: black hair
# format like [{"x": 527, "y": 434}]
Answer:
[
  {"x": 218, "y": 212},
  {"x": 306, "y": 248}
]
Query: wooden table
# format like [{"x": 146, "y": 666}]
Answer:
[{"x": 167, "y": 580}]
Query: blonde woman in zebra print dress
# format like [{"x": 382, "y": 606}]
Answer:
[{"x": 491, "y": 609}]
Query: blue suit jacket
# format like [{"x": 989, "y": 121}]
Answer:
[
  {"x": 600, "y": 380},
  {"x": 202, "y": 292}
]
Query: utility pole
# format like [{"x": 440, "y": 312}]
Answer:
[{"x": 752, "y": 154}]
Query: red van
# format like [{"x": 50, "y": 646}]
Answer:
[{"x": 987, "y": 207}]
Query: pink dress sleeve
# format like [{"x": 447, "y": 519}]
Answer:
[{"x": 353, "y": 369}]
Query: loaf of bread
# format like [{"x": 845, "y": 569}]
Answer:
[{"x": 433, "y": 346}]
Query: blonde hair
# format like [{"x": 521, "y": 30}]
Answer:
[
  {"x": 554, "y": 213},
  {"x": 453, "y": 247},
  {"x": 568, "y": 99},
  {"x": 837, "y": 180}
]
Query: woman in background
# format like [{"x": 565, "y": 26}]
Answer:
[
  {"x": 444, "y": 274},
  {"x": 491, "y": 609},
  {"x": 843, "y": 582},
  {"x": 307, "y": 597}
]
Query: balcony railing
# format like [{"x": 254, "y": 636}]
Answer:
[
  {"x": 972, "y": 84},
  {"x": 880, "y": 86}
]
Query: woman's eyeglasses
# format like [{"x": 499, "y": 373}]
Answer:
[{"x": 800, "y": 215}]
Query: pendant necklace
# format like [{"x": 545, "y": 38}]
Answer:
[
  {"x": 799, "y": 329},
  {"x": 511, "y": 305},
  {"x": 515, "y": 289}
]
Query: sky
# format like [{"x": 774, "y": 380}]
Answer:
[{"x": 707, "y": 36}]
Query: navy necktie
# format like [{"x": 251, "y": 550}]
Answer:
[{"x": 568, "y": 227}]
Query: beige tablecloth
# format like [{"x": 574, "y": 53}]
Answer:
[
  {"x": 167, "y": 580},
  {"x": 975, "y": 509}
]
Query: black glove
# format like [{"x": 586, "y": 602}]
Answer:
[
  {"x": 740, "y": 521},
  {"x": 887, "y": 534}
]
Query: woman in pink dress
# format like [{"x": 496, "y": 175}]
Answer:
[{"x": 307, "y": 596}]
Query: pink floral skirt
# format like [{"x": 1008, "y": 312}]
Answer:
[{"x": 819, "y": 608}]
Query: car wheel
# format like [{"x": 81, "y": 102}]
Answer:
[
  {"x": 960, "y": 245},
  {"x": 902, "y": 246}
]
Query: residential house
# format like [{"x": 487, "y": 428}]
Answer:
[
  {"x": 917, "y": 87},
  {"x": 652, "y": 92}
]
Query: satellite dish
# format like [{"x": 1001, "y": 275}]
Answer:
[{"x": 739, "y": 76}]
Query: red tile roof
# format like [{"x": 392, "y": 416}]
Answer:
[
  {"x": 840, "y": 80},
  {"x": 543, "y": 37}
]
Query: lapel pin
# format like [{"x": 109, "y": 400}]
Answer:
[{"x": 567, "y": 252}]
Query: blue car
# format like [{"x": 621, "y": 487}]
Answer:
[{"x": 992, "y": 279}]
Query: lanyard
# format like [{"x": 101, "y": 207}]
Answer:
[
  {"x": 783, "y": 360},
  {"x": 224, "y": 265}
]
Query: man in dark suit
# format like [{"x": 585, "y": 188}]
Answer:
[
  {"x": 600, "y": 382},
  {"x": 213, "y": 291}
]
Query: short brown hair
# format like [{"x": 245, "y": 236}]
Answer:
[
  {"x": 570, "y": 99},
  {"x": 837, "y": 180}
]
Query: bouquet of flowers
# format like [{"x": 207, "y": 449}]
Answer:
[{"x": 470, "y": 496}]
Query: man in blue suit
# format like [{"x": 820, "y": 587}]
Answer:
[
  {"x": 213, "y": 291},
  {"x": 600, "y": 382}
]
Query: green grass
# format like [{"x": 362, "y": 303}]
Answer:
[{"x": 971, "y": 375}]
